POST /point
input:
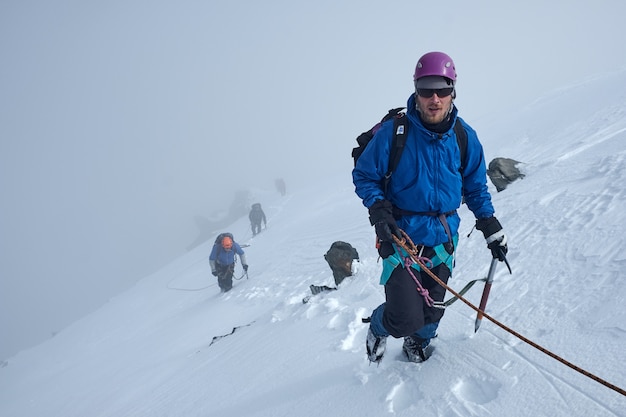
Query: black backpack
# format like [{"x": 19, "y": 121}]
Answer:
[
  {"x": 218, "y": 239},
  {"x": 399, "y": 139}
]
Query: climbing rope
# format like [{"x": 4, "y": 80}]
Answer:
[
  {"x": 412, "y": 250},
  {"x": 180, "y": 273},
  {"x": 245, "y": 274},
  {"x": 169, "y": 287},
  {"x": 420, "y": 288},
  {"x": 232, "y": 266}
]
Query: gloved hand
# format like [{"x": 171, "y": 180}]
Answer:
[
  {"x": 245, "y": 268},
  {"x": 494, "y": 235},
  {"x": 214, "y": 273},
  {"x": 381, "y": 217}
]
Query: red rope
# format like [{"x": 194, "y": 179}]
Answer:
[{"x": 411, "y": 249}]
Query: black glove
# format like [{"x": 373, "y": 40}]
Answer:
[
  {"x": 495, "y": 237},
  {"x": 214, "y": 273},
  {"x": 381, "y": 217},
  {"x": 245, "y": 268}
]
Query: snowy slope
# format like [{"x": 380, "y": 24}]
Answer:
[{"x": 149, "y": 351}]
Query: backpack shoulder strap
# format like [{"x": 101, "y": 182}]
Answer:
[
  {"x": 399, "y": 140},
  {"x": 397, "y": 146},
  {"x": 461, "y": 140}
]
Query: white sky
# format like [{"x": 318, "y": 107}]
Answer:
[
  {"x": 149, "y": 352},
  {"x": 121, "y": 121}
]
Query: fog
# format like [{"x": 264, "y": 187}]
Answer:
[{"x": 126, "y": 127}]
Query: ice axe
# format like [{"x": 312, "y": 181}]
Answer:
[{"x": 483, "y": 300}]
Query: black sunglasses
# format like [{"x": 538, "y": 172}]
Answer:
[{"x": 429, "y": 92}]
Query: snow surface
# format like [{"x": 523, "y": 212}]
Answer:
[{"x": 149, "y": 350}]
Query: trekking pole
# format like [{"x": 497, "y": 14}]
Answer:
[{"x": 486, "y": 289}]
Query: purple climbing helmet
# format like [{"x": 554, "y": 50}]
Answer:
[{"x": 435, "y": 63}]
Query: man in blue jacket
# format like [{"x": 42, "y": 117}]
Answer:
[
  {"x": 426, "y": 188},
  {"x": 222, "y": 260}
]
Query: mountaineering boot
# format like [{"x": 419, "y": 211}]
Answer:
[
  {"x": 375, "y": 346},
  {"x": 416, "y": 349}
]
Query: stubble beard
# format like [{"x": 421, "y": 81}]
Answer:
[{"x": 433, "y": 118}]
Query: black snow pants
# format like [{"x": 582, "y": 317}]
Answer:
[
  {"x": 405, "y": 309},
  {"x": 225, "y": 276}
]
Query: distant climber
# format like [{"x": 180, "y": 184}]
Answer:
[
  {"x": 280, "y": 186},
  {"x": 257, "y": 216},
  {"x": 222, "y": 260}
]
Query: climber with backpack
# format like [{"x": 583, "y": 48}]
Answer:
[
  {"x": 257, "y": 216},
  {"x": 222, "y": 260},
  {"x": 413, "y": 175}
]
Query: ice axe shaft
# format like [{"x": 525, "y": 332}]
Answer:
[{"x": 483, "y": 300}]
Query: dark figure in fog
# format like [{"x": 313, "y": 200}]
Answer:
[
  {"x": 280, "y": 186},
  {"x": 257, "y": 216}
]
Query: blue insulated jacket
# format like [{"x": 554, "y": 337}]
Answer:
[
  {"x": 427, "y": 178},
  {"x": 226, "y": 257}
]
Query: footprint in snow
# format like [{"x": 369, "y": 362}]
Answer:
[
  {"x": 476, "y": 390},
  {"x": 403, "y": 396}
]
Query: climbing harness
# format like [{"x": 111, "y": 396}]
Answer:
[
  {"x": 424, "y": 292},
  {"x": 406, "y": 244}
]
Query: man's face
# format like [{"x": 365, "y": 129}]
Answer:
[{"x": 434, "y": 109}]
